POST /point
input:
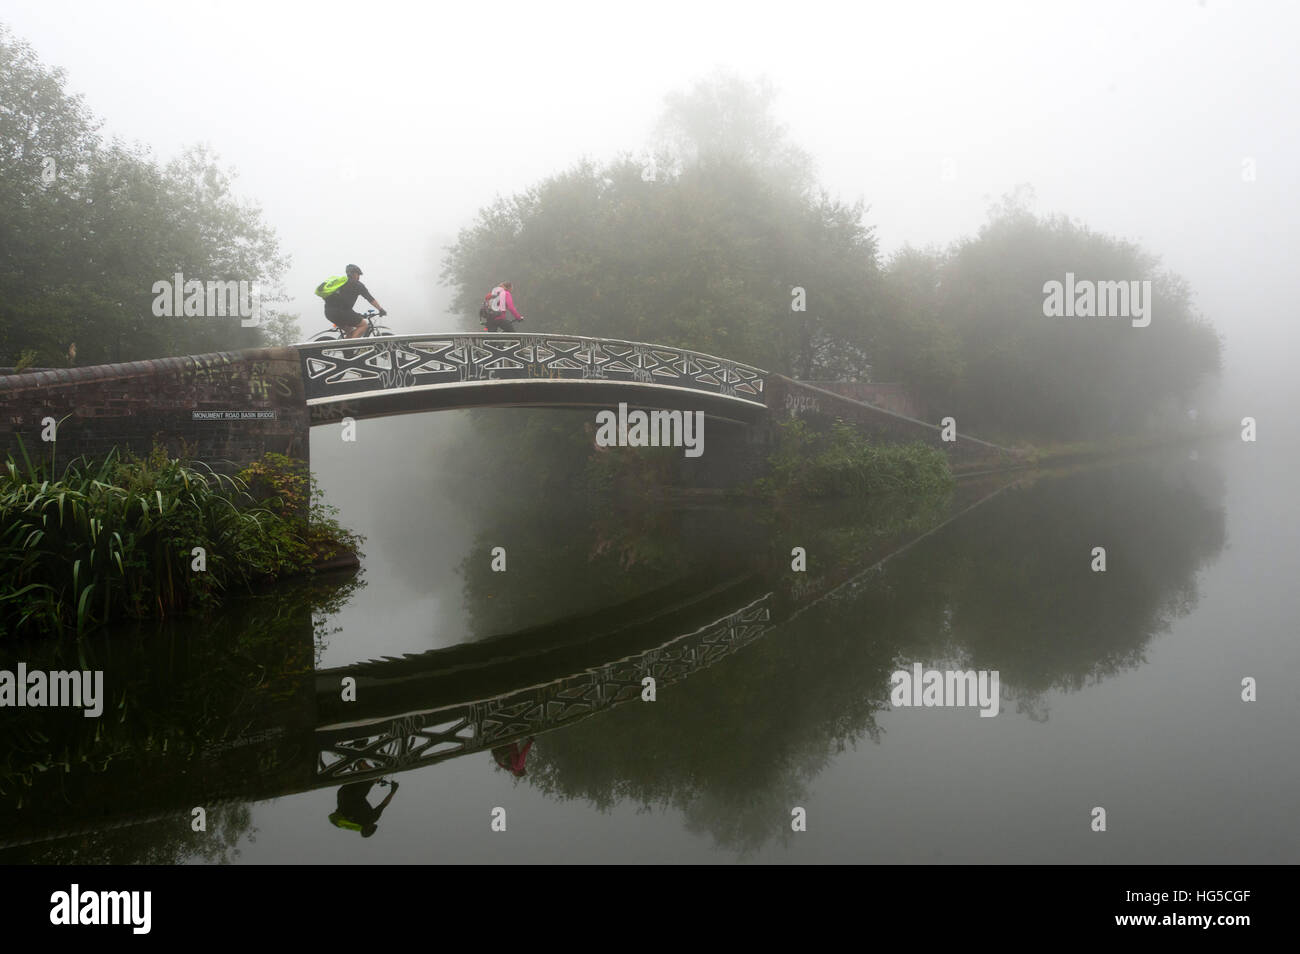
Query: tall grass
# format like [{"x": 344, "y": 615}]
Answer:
[{"x": 117, "y": 539}]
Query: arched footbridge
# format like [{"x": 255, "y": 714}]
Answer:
[
  {"x": 229, "y": 408},
  {"x": 399, "y": 374}
]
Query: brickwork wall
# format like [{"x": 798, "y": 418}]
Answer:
[
  {"x": 892, "y": 396},
  {"x": 130, "y": 405}
]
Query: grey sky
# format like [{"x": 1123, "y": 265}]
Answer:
[{"x": 372, "y": 132}]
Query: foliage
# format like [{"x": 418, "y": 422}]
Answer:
[
  {"x": 707, "y": 255},
  {"x": 923, "y": 349},
  {"x": 706, "y": 258},
  {"x": 841, "y": 462},
  {"x": 117, "y": 539},
  {"x": 286, "y": 486},
  {"x": 279, "y": 482},
  {"x": 280, "y": 330},
  {"x": 982, "y": 345},
  {"x": 87, "y": 227},
  {"x": 726, "y": 117}
]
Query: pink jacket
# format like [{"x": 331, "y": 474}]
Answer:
[{"x": 502, "y": 296}]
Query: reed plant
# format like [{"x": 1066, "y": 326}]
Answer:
[{"x": 132, "y": 537}]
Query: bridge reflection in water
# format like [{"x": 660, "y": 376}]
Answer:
[
  {"x": 295, "y": 733},
  {"x": 359, "y": 750}
]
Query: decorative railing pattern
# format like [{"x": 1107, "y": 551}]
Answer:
[
  {"x": 392, "y": 745},
  {"x": 337, "y": 369}
]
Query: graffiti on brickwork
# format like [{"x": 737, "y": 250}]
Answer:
[
  {"x": 797, "y": 404},
  {"x": 252, "y": 378}
]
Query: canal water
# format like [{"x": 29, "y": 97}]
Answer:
[{"x": 500, "y": 630}]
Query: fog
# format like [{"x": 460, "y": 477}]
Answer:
[
  {"x": 372, "y": 133},
  {"x": 377, "y": 133}
]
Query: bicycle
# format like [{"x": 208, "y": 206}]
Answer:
[
  {"x": 505, "y": 323},
  {"x": 336, "y": 333}
]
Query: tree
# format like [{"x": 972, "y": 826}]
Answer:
[
  {"x": 707, "y": 258},
  {"x": 1027, "y": 374},
  {"x": 924, "y": 351},
  {"x": 718, "y": 255},
  {"x": 726, "y": 118},
  {"x": 87, "y": 227}
]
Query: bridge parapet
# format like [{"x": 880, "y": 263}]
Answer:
[
  {"x": 788, "y": 399},
  {"x": 336, "y": 370},
  {"x": 226, "y": 408}
]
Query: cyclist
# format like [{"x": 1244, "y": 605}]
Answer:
[
  {"x": 355, "y": 812},
  {"x": 511, "y": 757},
  {"x": 338, "y": 306},
  {"x": 497, "y": 303}
]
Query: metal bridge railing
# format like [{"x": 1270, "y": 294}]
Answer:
[{"x": 337, "y": 369}]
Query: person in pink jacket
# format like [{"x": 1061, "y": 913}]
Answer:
[
  {"x": 512, "y": 758},
  {"x": 500, "y": 301}
]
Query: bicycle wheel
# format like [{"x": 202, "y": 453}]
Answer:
[{"x": 331, "y": 335}]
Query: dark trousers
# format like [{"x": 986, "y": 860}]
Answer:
[{"x": 344, "y": 319}]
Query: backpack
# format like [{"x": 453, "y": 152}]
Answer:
[
  {"x": 485, "y": 313},
  {"x": 331, "y": 285},
  {"x": 339, "y": 820}
]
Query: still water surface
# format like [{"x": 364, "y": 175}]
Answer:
[{"x": 1119, "y": 690}]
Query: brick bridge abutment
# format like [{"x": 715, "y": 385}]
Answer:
[{"x": 226, "y": 409}]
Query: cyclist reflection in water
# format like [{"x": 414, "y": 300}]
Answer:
[
  {"x": 355, "y": 813},
  {"x": 511, "y": 757}
]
